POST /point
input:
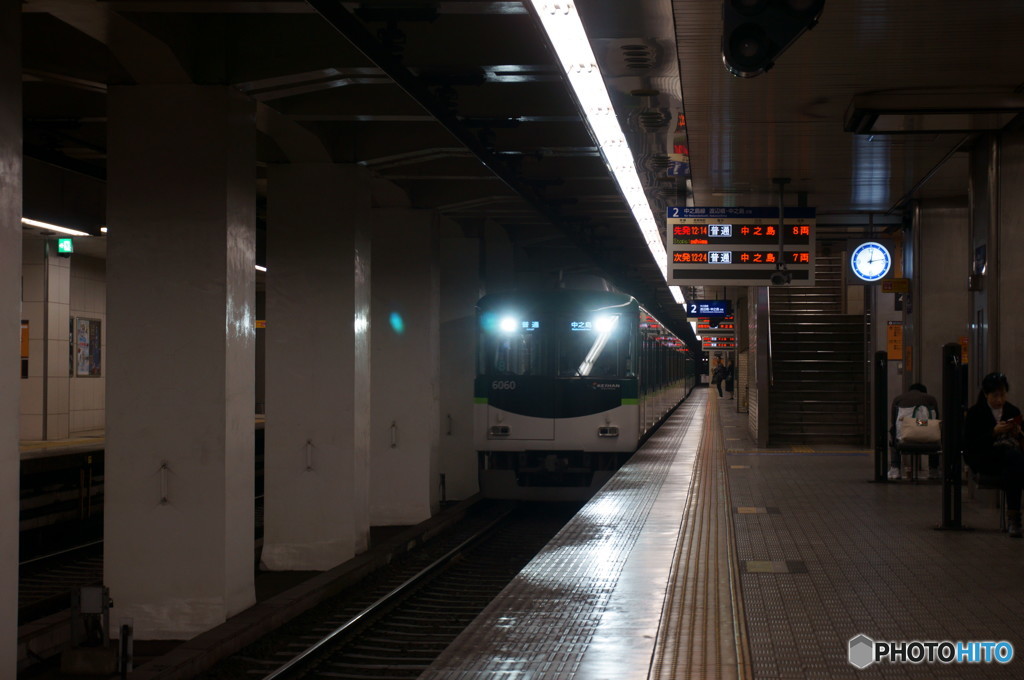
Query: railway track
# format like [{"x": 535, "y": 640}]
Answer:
[
  {"x": 394, "y": 624},
  {"x": 45, "y": 583}
]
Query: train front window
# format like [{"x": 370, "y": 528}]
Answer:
[
  {"x": 592, "y": 347},
  {"x": 511, "y": 346}
]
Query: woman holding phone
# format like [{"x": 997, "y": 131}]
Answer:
[{"x": 992, "y": 443}]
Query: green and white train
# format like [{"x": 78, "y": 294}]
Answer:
[{"x": 569, "y": 383}]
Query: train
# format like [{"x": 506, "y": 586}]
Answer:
[{"x": 568, "y": 384}]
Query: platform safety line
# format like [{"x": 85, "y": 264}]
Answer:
[
  {"x": 702, "y": 632},
  {"x": 744, "y": 656}
]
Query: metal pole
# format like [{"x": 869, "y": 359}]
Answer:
[
  {"x": 952, "y": 424},
  {"x": 46, "y": 339},
  {"x": 881, "y": 402},
  {"x": 126, "y": 650},
  {"x": 780, "y": 264}
]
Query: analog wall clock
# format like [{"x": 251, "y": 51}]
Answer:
[{"x": 870, "y": 261}]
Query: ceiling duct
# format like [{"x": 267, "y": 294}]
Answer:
[{"x": 931, "y": 113}]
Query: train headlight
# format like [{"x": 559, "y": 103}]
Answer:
[
  {"x": 606, "y": 324},
  {"x": 509, "y": 324}
]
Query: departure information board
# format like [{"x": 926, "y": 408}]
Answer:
[
  {"x": 718, "y": 341},
  {"x": 739, "y": 246},
  {"x": 708, "y": 324}
]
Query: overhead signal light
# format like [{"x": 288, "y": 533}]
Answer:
[{"x": 756, "y": 32}]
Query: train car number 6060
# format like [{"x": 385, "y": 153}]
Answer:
[{"x": 503, "y": 385}]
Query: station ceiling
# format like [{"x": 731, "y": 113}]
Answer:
[{"x": 463, "y": 105}]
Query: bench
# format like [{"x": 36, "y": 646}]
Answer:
[
  {"x": 915, "y": 451},
  {"x": 981, "y": 481}
]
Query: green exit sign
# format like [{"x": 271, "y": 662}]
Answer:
[{"x": 64, "y": 245}]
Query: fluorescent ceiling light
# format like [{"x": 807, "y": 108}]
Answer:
[
  {"x": 260, "y": 268},
  {"x": 54, "y": 227},
  {"x": 565, "y": 31}
]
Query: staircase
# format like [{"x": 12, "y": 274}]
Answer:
[{"x": 820, "y": 373}]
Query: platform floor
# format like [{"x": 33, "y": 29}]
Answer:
[{"x": 707, "y": 557}]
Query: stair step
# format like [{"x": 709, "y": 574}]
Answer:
[
  {"x": 845, "y": 426},
  {"x": 853, "y": 441},
  {"x": 818, "y": 363}
]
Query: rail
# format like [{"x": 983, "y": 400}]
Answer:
[
  {"x": 382, "y": 603},
  {"x": 61, "y": 552}
]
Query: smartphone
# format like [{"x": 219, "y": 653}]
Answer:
[{"x": 1016, "y": 420}]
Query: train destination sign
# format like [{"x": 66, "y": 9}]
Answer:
[
  {"x": 718, "y": 325},
  {"x": 740, "y": 256},
  {"x": 756, "y": 234},
  {"x": 739, "y": 246},
  {"x": 709, "y": 308},
  {"x": 718, "y": 342}
]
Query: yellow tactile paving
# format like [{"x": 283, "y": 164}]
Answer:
[{"x": 703, "y": 629}]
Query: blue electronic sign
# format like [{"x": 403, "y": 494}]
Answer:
[{"x": 709, "y": 308}]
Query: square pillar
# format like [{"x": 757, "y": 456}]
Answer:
[
  {"x": 460, "y": 290},
  {"x": 10, "y": 325},
  {"x": 404, "y": 472},
  {"x": 46, "y": 294},
  {"x": 317, "y": 366},
  {"x": 178, "y": 516}
]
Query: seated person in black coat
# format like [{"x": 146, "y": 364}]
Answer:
[{"x": 992, "y": 443}]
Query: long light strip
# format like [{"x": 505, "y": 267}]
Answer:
[
  {"x": 565, "y": 31},
  {"x": 54, "y": 227}
]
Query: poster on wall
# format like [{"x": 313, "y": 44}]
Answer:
[
  {"x": 24, "y": 348},
  {"x": 87, "y": 348}
]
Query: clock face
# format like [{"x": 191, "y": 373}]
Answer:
[{"x": 871, "y": 261}]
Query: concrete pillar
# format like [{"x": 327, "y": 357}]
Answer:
[
  {"x": 10, "y": 324},
  {"x": 983, "y": 204},
  {"x": 460, "y": 290},
  {"x": 404, "y": 477},
  {"x": 939, "y": 286},
  {"x": 179, "y": 519},
  {"x": 317, "y": 366},
  {"x": 1010, "y": 211},
  {"x": 46, "y": 294}
]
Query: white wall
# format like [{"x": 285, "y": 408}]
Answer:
[
  {"x": 88, "y": 297},
  {"x": 940, "y": 286}
]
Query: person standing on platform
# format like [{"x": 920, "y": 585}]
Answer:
[
  {"x": 992, "y": 443},
  {"x": 718, "y": 375},
  {"x": 730, "y": 377}
]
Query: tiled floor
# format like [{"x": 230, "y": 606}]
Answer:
[
  {"x": 589, "y": 605},
  {"x": 869, "y": 562},
  {"x": 702, "y": 531}
]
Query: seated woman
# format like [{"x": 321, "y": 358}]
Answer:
[{"x": 992, "y": 443}]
